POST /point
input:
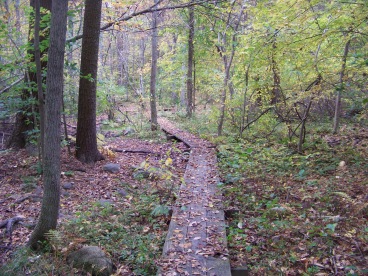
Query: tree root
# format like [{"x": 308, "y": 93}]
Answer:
[
  {"x": 9, "y": 223},
  {"x": 20, "y": 200}
]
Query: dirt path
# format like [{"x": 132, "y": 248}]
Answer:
[{"x": 196, "y": 241}]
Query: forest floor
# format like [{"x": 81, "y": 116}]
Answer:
[
  {"x": 296, "y": 215},
  {"x": 287, "y": 213},
  {"x": 126, "y": 213}
]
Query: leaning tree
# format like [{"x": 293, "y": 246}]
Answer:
[{"x": 54, "y": 89}]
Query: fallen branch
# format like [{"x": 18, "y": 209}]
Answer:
[
  {"x": 136, "y": 151},
  {"x": 254, "y": 120}
]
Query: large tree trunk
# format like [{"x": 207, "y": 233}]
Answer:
[
  {"x": 340, "y": 88},
  {"x": 154, "y": 124},
  {"x": 51, "y": 197},
  {"x": 86, "y": 142},
  {"x": 24, "y": 120},
  {"x": 190, "y": 63}
]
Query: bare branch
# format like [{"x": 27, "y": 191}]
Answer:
[
  {"x": 137, "y": 13},
  {"x": 11, "y": 85}
]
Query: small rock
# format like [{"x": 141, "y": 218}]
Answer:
[
  {"x": 128, "y": 131},
  {"x": 141, "y": 174},
  {"x": 36, "y": 198},
  {"x": 122, "y": 192},
  {"x": 91, "y": 259},
  {"x": 66, "y": 194},
  {"x": 105, "y": 202},
  {"x": 281, "y": 210},
  {"x": 28, "y": 187},
  {"x": 68, "y": 185},
  {"x": 151, "y": 173},
  {"x": 111, "y": 167}
]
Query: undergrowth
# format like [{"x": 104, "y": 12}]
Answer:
[
  {"x": 290, "y": 213},
  {"x": 131, "y": 231},
  {"x": 297, "y": 214}
]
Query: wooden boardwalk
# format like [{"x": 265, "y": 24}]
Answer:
[{"x": 196, "y": 240}]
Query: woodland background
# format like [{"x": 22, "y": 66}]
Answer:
[{"x": 279, "y": 86}]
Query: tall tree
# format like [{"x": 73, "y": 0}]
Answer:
[
  {"x": 341, "y": 88},
  {"x": 86, "y": 144},
  {"x": 25, "y": 119},
  {"x": 51, "y": 198},
  {"x": 154, "y": 123},
  {"x": 226, "y": 50},
  {"x": 190, "y": 62}
]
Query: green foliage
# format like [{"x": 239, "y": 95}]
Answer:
[
  {"x": 279, "y": 193},
  {"x": 160, "y": 210},
  {"x": 122, "y": 233},
  {"x": 25, "y": 261}
]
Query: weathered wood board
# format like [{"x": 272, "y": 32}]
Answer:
[{"x": 196, "y": 241}]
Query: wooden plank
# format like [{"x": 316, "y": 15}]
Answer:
[{"x": 196, "y": 241}]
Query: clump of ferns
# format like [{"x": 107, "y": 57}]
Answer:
[{"x": 55, "y": 239}]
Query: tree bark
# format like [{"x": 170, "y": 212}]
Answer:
[
  {"x": 154, "y": 124},
  {"x": 190, "y": 63},
  {"x": 276, "y": 89},
  {"x": 340, "y": 88},
  {"x": 86, "y": 140},
  {"x": 55, "y": 75},
  {"x": 302, "y": 132}
]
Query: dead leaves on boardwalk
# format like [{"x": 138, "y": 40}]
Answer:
[{"x": 196, "y": 242}]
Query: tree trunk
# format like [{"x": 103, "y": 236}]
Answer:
[
  {"x": 55, "y": 72},
  {"x": 183, "y": 99},
  {"x": 17, "y": 22},
  {"x": 223, "y": 102},
  {"x": 227, "y": 60},
  {"x": 24, "y": 120},
  {"x": 244, "y": 106},
  {"x": 39, "y": 79},
  {"x": 302, "y": 132},
  {"x": 276, "y": 89},
  {"x": 190, "y": 63},
  {"x": 142, "y": 48},
  {"x": 86, "y": 142},
  {"x": 340, "y": 88},
  {"x": 154, "y": 124},
  {"x": 194, "y": 86}
]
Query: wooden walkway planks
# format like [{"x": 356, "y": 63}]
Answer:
[{"x": 196, "y": 240}]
